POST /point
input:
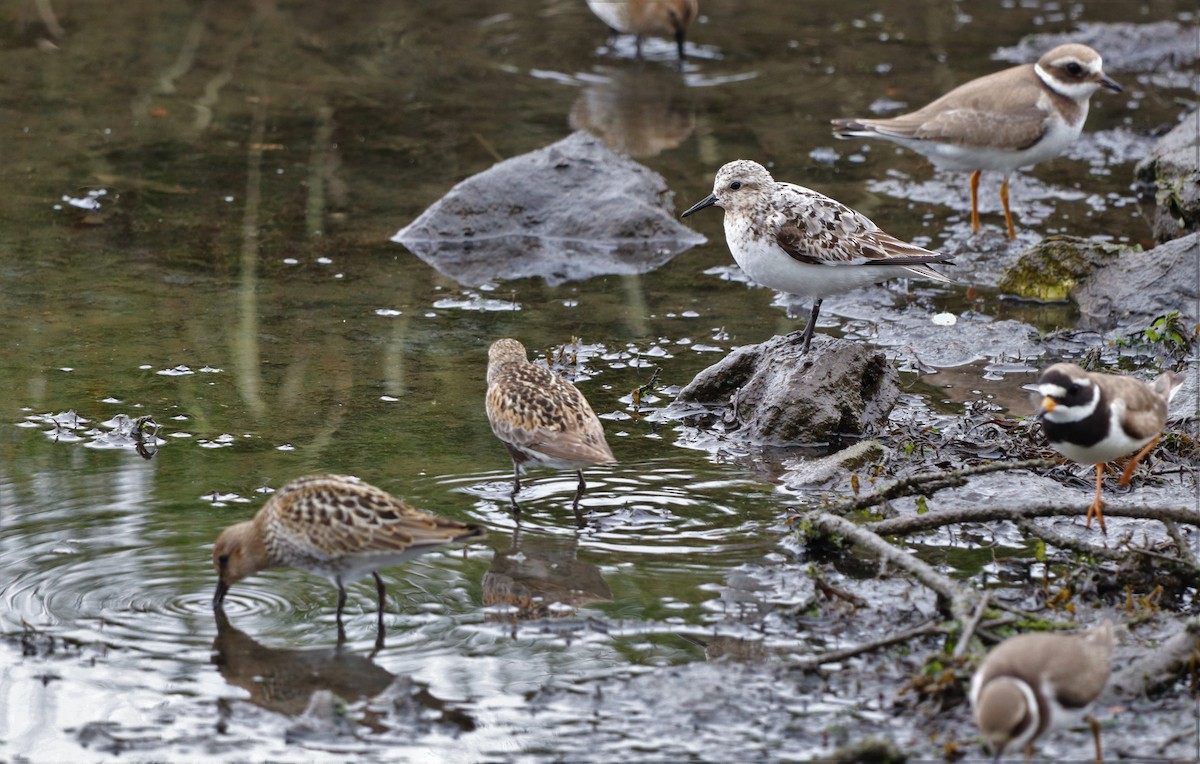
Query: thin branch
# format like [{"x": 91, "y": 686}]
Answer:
[
  {"x": 1154, "y": 668},
  {"x": 1185, "y": 549},
  {"x": 960, "y": 649},
  {"x": 949, "y": 591},
  {"x": 833, "y": 656},
  {"x": 928, "y": 483},
  {"x": 900, "y": 526}
]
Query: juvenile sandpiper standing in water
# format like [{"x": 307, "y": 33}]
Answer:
[
  {"x": 541, "y": 418},
  {"x": 1031, "y": 684},
  {"x": 1093, "y": 418},
  {"x": 1010, "y": 119},
  {"x": 798, "y": 241},
  {"x": 336, "y": 526}
]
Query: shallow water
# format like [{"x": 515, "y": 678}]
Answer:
[{"x": 236, "y": 283}]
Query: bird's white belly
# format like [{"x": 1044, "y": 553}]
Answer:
[
  {"x": 1058, "y": 137},
  {"x": 1116, "y": 445},
  {"x": 767, "y": 264}
]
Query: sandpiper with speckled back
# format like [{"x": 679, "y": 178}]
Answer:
[
  {"x": 336, "y": 526},
  {"x": 1093, "y": 418},
  {"x": 1009, "y": 119},
  {"x": 799, "y": 241},
  {"x": 1031, "y": 684},
  {"x": 541, "y": 418}
]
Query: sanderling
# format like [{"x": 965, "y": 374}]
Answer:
[{"x": 796, "y": 240}]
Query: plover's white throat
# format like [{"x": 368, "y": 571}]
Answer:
[
  {"x": 336, "y": 526},
  {"x": 1013, "y": 118},
  {"x": 796, "y": 240},
  {"x": 541, "y": 418},
  {"x": 648, "y": 17},
  {"x": 1093, "y": 418},
  {"x": 1033, "y": 683}
]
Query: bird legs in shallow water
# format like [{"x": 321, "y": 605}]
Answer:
[
  {"x": 1012, "y": 231},
  {"x": 579, "y": 521},
  {"x": 381, "y": 592},
  {"x": 1126, "y": 476}
]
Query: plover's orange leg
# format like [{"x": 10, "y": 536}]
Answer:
[
  {"x": 1095, "y": 725},
  {"x": 1097, "y": 503},
  {"x": 1012, "y": 232},
  {"x": 975, "y": 199},
  {"x": 1127, "y": 475}
]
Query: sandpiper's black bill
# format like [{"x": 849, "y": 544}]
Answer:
[
  {"x": 707, "y": 201},
  {"x": 1111, "y": 84},
  {"x": 219, "y": 596}
]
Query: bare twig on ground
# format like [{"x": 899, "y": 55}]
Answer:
[
  {"x": 958, "y": 598},
  {"x": 900, "y": 526},
  {"x": 968, "y": 631},
  {"x": 832, "y": 656},
  {"x": 1154, "y": 668},
  {"x": 928, "y": 483}
]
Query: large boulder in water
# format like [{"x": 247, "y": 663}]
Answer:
[
  {"x": 1173, "y": 171},
  {"x": 772, "y": 394},
  {"x": 567, "y": 212}
]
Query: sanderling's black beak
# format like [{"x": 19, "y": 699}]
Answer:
[
  {"x": 219, "y": 596},
  {"x": 1111, "y": 84},
  {"x": 707, "y": 201}
]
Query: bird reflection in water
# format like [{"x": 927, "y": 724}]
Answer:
[
  {"x": 541, "y": 577},
  {"x": 637, "y": 112},
  {"x": 285, "y": 681}
]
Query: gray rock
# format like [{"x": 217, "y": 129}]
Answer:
[
  {"x": 1172, "y": 169},
  {"x": 1126, "y": 47},
  {"x": 567, "y": 212},
  {"x": 771, "y": 394},
  {"x": 1126, "y": 296}
]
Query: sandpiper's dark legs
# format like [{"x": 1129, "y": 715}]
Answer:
[
  {"x": 341, "y": 604},
  {"x": 579, "y": 521},
  {"x": 381, "y": 590},
  {"x": 679, "y": 46},
  {"x": 812, "y": 324}
]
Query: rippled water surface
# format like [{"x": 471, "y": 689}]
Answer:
[{"x": 195, "y": 227}]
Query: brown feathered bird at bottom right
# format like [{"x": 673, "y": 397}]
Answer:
[
  {"x": 1094, "y": 418},
  {"x": 1031, "y": 684},
  {"x": 541, "y": 418}
]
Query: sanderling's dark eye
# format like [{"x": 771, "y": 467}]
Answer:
[
  {"x": 735, "y": 185},
  {"x": 1074, "y": 69},
  {"x": 223, "y": 560}
]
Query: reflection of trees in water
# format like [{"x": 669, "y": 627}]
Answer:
[{"x": 542, "y": 577}]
